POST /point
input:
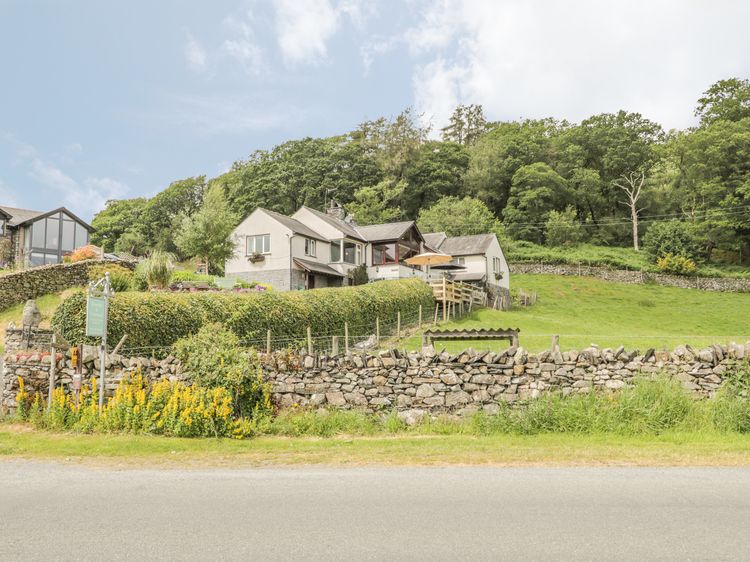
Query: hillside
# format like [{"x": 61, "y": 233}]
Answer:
[{"x": 584, "y": 311}]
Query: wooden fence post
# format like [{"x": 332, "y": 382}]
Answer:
[
  {"x": 445, "y": 294},
  {"x": 309, "y": 341},
  {"x": 335, "y": 345},
  {"x": 268, "y": 341},
  {"x": 346, "y": 337},
  {"x": 398, "y": 324},
  {"x": 419, "y": 324},
  {"x": 52, "y": 367},
  {"x": 377, "y": 330},
  {"x": 555, "y": 343},
  {"x": 437, "y": 307}
]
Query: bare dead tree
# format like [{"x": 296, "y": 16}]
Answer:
[{"x": 632, "y": 185}]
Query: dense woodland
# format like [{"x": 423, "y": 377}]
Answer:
[{"x": 613, "y": 179}]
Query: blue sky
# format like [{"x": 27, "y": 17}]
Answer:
[{"x": 116, "y": 99}]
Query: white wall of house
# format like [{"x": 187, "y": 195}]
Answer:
[
  {"x": 495, "y": 251},
  {"x": 274, "y": 269}
]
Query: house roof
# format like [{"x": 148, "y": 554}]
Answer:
[
  {"x": 294, "y": 225},
  {"x": 382, "y": 232},
  {"x": 22, "y": 216},
  {"x": 434, "y": 239},
  {"x": 316, "y": 267},
  {"x": 348, "y": 229},
  {"x": 19, "y": 216},
  {"x": 467, "y": 245}
]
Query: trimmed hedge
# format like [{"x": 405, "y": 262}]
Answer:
[{"x": 160, "y": 319}]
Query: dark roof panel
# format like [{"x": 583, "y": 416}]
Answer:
[
  {"x": 316, "y": 267},
  {"x": 18, "y": 216},
  {"x": 434, "y": 239},
  {"x": 467, "y": 245},
  {"x": 294, "y": 225},
  {"x": 382, "y": 232}
]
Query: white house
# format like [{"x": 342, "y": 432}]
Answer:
[
  {"x": 480, "y": 256},
  {"x": 314, "y": 249}
]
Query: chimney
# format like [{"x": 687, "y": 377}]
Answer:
[{"x": 336, "y": 210}]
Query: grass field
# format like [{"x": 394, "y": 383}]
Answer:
[
  {"x": 583, "y": 311},
  {"x": 47, "y": 305},
  {"x": 671, "y": 449}
]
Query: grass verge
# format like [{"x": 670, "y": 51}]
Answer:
[{"x": 669, "y": 449}]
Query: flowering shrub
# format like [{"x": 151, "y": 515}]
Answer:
[
  {"x": 81, "y": 254},
  {"x": 678, "y": 265},
  {"x": 163, "y": 408}
]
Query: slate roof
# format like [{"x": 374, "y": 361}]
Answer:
[
  {"x": 382, "y": 232},
  {"x": 434, "y": 239},
  {"x": 348, "y": 229},
  {"x": 316, "y": 267},
  {"x": 467, "y": 245},
  {"x": 294, "y": 225},
  {"x": 18, "y": 216}
]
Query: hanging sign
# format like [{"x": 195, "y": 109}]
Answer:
[{"x": 96, "y": 316}]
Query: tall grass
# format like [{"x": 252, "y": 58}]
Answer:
[{"x": 651, "y": 406}]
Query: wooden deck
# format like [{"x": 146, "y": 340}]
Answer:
[{"x": 455, "y": 297}]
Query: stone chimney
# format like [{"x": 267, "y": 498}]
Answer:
[{"x": 336, "y": 210}]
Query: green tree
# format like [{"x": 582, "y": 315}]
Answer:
[
  {"x": 162, "y": 214},
  {"x": 673, "y": 238},
  {"x": 207, "y": 233},
  {"x": 437, "y": 171},
  {"x": 458, "y": 217},
  {"x": 118, "y": 217},
  {"x": 378, "y": 203},
  {"x": 537, "y": 189},
  {"x": 562, "y": 228},
  {"x": 498, "y": 155},
  {"x": 727, "y": 100},
  {"x": 466, "y": 125}
]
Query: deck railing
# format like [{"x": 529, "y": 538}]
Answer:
[{"x": 456, "y": 297}]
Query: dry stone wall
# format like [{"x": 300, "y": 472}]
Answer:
[
  {"x": 721, "y": 284},
  {"x": 31, "y": 283},
  {"x": 426, "y": 382}
]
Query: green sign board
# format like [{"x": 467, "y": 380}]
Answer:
[{"x": 96, "y": 316}]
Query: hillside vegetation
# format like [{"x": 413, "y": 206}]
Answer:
[{"x": 583, "y": 311}]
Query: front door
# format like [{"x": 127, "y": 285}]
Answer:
[{"x": 310, "y": 281}]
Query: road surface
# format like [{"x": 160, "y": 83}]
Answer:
[{"x": 56, "y": 511}]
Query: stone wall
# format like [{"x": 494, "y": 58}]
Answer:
[
  {"x": 31, "y": 283},
  {"x": 17, "y": 339},
  {"x": 722, "y": 284},
  {"x": 427, "y": 381}
]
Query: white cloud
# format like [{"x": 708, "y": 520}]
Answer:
[
  {"x": 535, "y": 58},
  {"x": 243, "y": 47},
  {"x": 195, "y": 54},
  {"x": 304, "y": 28}
]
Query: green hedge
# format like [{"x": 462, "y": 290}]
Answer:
[{"x": 160, "y": 319}]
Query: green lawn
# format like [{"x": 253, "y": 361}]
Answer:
[
  {"x": 671, "y": 449},
  {"x": 583, "y": 311},
  {"x": 47, "y": 305}
]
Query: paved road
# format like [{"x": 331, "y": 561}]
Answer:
[{"x": 50, "y": 511}]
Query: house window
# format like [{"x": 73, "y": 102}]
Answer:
[
  {"x": 351, "y": 253},
  {"x": 310, "y": 247},
  {"x": 384, "y": 253},
  {"x": 260, "y": 244},
  {"x": 336, "y": 251},
  {"x": 2, "y": 227},
  {"x": 461, "y": 261},
  {"x": 359, "y": 254},
  {"x": 496, "y": 265}
]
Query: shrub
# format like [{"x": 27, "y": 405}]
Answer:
[
  {"x": 562, "y": 228},
  {"x": 160, "y": 319},
  {"x": 120, "y": 276},
  {"x": 158, "y": 269},
  {"x": 673, "y": 237},
  {"x": 163, "y": 408},
  {"x": 677, "y": 265},
  {"x": 213, "y": 358},
  {"x": 184, "y": 275},
  {"x": 358, "y": 275},
  {"x": 139, "y": 282},
  {"x": 81, "y": 254}
]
